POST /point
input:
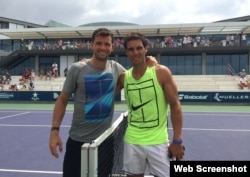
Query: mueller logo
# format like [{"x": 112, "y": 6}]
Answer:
[
  {"x": 221, "y": 97},
  {"x": 217, "y": 97},
  {"x": 192, "y": 97}
]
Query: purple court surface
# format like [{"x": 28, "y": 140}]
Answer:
[{"x": 24, "y": 136}]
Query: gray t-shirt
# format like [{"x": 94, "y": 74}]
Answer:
[{"x": 94, "y": 93}]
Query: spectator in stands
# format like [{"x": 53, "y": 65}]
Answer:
[
  {"x": 48, "y": 75},
  {"x": 32, "y": 75},
  {"x": 31, "y": 85},
  {"x": 2, "y": 87},
  {"x": 228, "y": 40},
  {"x": 118, "y": 43},
  {"x": 41, "y": 74},
  {"x": 13, "y": 87},
  {"x": 7, "y": 78},
  {"x": 21, "y": 80},
  {"x": 243, "y": 82},
  {"x": 65, "y": 72},
  {"x": 2, "y": 82},
  {"x": 242, "y": 73},
  {"x": 22, "y": 46},
  {"x": 55, "y": 70},
  {"x": 2, "y": 79},
  {"x": 185, "y": 41},
  {"x": 243, "y": 39},
  {"x": 24, "y": 87},
  {"x": 60, "y": 43},
  {"x": 26, "y": 76},
  {"x": 29, "y": 45},
  {"x": 237, "y": 39}
]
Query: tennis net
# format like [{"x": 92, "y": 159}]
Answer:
[{"x": 103, "y": 157}]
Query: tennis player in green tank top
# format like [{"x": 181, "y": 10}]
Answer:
[{"x": 150, "y": 93}]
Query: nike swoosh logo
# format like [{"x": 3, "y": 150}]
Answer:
[{"x": 134, "y": 108}]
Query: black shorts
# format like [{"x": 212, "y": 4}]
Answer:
[{"x": 72, "y": 159}]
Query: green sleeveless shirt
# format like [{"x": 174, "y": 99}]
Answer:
[{"x": 147, "y": 109}]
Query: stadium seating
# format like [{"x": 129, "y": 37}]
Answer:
[
  {"x": 206, "y": 83},
  {"x": 184, "y": 83},
  {"x": 55, "y": 84}
]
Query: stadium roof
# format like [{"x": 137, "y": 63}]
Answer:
[
  {"x": 107, "y": 24},
  {"x": 237, "y": 19},
  {"x": 53, "y": 23},
  {"x": 149, "y": 30},
  {"x": 19, "y": 22}
]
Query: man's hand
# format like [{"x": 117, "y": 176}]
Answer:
[
  {"x": 176, "y": 151},
  {"x": 151, "y": 61},
  {"x": 54, "y": 143}
]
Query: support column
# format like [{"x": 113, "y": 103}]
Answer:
[
  {"x": 203, "y": 64},
  {"x": 158, "y": 58},
  {"x": 249, "y": 63},
  {"x": 37, "y": 65}
]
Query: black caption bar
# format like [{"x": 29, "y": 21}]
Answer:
[{"x": 209, "y": 168}]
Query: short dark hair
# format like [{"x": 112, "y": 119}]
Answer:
[
  {"x": 102, "y": 32},
  {"x": 136, "y": 36}
]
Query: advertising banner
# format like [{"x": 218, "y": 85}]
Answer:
[
  {"x": 215, "y": 97},
  {"x": 188, "y": 97}
]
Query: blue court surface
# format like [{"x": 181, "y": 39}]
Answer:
[{"x": 24, "y": 136}]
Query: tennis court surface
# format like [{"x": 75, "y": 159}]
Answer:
[{"x": 210, "y": 133}]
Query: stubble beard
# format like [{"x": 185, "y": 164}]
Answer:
[{"x": 102, "y": 56}]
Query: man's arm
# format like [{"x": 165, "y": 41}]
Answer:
[
  {"x": 58, "y": 114},
  {"x": 169, "y": 87},
  {"x": 119, "y": 84}
]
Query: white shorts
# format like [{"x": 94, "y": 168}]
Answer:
[{"x": 137, "y": 158}]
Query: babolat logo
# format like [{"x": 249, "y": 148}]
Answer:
[
  {"x": 192, "y": 97},
  {"x": 220, "y": 97}
]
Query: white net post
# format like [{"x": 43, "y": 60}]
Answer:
[
  {"x": 85, "y": 160},
  {"x": 93, "y": 160}
]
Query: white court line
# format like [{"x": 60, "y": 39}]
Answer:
[
  {"x": 219, "y": 114},
  {"x": 224, "y": 130},
  {"x": 34, "y": 111},
  {"x": 212, "y": 129},
  {"x": 16, "y": 125},
  {"x": 30, "y": 171},
  {"x": 191, "y": 129},
  {"x": 14, "y": 115},
  {"x": 33, "y": 171}
]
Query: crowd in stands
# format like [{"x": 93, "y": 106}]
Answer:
[
  {"x": 26, "y": 81},
  {"x": 157, "y": 42},
  {"x": 49, "y": 73},
  {"x": 5, "y": 80}
]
